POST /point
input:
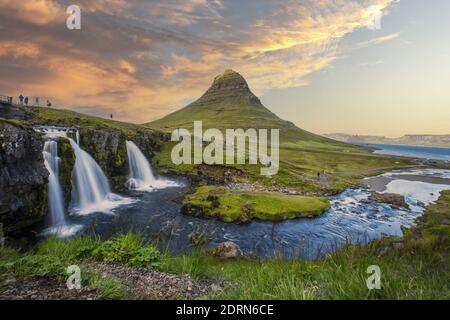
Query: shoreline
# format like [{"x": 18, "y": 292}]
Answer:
[{"x": 379, "y": 183}]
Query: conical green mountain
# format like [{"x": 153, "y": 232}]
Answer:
[{"x": 229, "y": 103}]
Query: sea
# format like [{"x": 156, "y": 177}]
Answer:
[{"x": 433, "y": 153}]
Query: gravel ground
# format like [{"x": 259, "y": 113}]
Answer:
[
  {"x": 150, "y": 284},
  {"x": 141, "y": 284},
  {"x": 42, "y": 289}
]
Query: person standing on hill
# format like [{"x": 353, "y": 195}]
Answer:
[
  {"x": 26, "y": 101},
  {"x": 21, "y": 99},
  {"x": 111, "y": 116}
]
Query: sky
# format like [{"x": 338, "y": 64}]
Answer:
[{"x": 318, "y": 63}]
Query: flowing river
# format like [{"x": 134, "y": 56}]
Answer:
[{"x": 351, "y": 219}]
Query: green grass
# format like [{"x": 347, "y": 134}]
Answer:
[
  {"x": 13, "y": 122},
  {"x": 419, "y": 269},
  {"x": 50, "y": 258},
  {"x": 61, "y": 117},
  {"x": 298, "y": 169},
  {"x": 242, "y": 206},
  {"x": 437, "y": 221}
]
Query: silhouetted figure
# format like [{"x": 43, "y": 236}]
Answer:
[
  {"x": 21, "y": 99},
  {"x": 318, "y": 175},
  {"x": 26, "y": 101},
  {"x": 111, "y": 116}
]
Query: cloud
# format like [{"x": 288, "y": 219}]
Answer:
[
  {"x": 378, "y": 40},
  {"x": 143, "y": 59}
]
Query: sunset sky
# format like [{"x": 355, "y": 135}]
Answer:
[{"x": 313, "y": 62}]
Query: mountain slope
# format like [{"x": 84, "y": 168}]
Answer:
[{"x": 229, "y": 103}]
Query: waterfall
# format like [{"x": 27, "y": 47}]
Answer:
[
  {"x": 91, "y": 187},
  {"x": 55, "y": 195},
  {"x": 77, "y": 135},
  {"x": 91, "y": 191},
  {"x": 141, "y": 175}
]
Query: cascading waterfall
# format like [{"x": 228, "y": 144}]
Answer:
[
  {"x": 77, "y": 135},
  {"x": 90, "y": 186},
  {"x": 55, "y": 195},
  {"x": 141, "y": 175}
]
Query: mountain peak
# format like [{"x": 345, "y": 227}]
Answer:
[{"x": 229, "y": 85}]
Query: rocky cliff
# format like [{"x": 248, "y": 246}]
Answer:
[{"x": 23, "y": 176}]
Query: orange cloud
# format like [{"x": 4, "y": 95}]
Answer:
[
  {"x": 144, "y": 59},
  {"x": 40, "y": 12}
]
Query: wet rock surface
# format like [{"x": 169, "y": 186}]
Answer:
[
  {"x": 394, "y": 200},
  {"x": 23, "y": 177}
]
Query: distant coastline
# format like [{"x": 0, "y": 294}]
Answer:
[
  {"x": 423, "y": 152},
  {"x": 417, "y": 140}
]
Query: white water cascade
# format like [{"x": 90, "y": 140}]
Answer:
[
  {"x": 141, "y": 177},
  {"x": 55, "y": 195},
  {"x": 91, "y": 191},
  {"x": 91, "y": 187}
]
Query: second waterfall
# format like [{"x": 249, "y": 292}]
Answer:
[
  {"x": 91, "y": 190},
  {"x": 141, "y": 177}
]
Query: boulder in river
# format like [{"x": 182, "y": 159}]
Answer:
[
  {"x": 396, "y": 201},
  {"x": 227, "y": 250}
]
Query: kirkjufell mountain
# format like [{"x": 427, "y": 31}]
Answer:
[{"x": 229, "y": 103}]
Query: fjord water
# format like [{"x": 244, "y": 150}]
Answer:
[
  {"x": 55, "y": 195},
  {"x": 141, "y": 175},
  {"x": 434, "y": 153}
]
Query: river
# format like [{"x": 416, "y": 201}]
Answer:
[{"x": 351, "y": 219}]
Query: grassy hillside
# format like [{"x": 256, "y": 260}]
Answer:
[
  {"x": 229, "y": 103},
  {"x": 61, "y": 117}
]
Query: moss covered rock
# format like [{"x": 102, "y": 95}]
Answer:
[{"x": 65, "y": 152}]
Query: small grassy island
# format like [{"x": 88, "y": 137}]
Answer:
[{"x": 243, "y": 206}]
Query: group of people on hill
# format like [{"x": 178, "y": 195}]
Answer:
[{"x": 25, "y": 100}]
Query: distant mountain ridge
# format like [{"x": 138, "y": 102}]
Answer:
[{"x": 425, "y": 140}]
